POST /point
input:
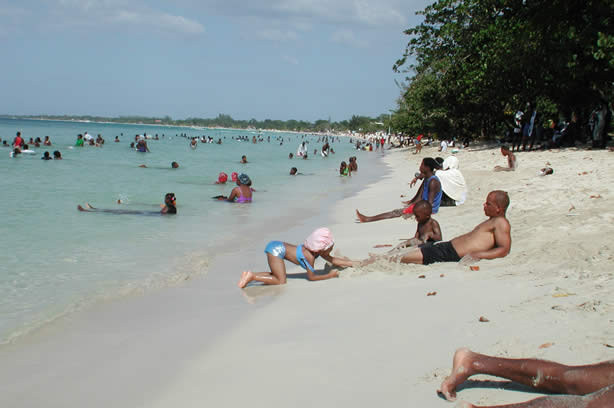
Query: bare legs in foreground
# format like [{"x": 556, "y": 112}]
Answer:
[
  {"x": 588, "y": 386},
  {"x": 277, "y": 276}
]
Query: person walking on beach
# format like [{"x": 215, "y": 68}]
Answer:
[
  {"x": 319, "y": 243},
  {"x": 430, "y": 190},
  {"x": 586, "y": 386},
  {"x": 489, "y": 240},
  {"x": 511, "y": 160}
]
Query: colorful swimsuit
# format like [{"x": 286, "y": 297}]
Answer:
[{"x": 278, "y": 249}]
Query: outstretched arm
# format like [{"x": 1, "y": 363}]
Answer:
[{"x": 339, "y": 261}]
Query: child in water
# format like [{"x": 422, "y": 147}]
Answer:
[
  {"x": 319, "y": 243},
  {"x": 344, "y": 170}
]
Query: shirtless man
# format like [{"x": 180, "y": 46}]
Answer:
[
  {"x": 588, "y": 386},
  {"x": 428, "y": 230},
  {"x": 511, "y": 160},
  {"x": 489, "y": 240}
]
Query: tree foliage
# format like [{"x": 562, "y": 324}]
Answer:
[{"x": 476, "y": 61}]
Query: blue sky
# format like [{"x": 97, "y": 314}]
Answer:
[{"x": 268, "y": 59}]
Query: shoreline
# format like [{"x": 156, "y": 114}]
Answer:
[
  {"x": 335, "y": 134},
  {"x": 372, "y": 335},
  {"x": 171, "y": 325}
]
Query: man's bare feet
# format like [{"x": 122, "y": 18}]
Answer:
[
  {"x": 246, "y": 277},
  {"x": 361, "y": 218},
  {"x": 461, "y": 370}
]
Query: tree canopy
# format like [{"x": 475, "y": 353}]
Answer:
[{"x": 476, "y": 61}]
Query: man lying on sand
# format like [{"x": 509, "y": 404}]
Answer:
[
  {"x": 319, "y": 243},
  {"x": 489, "y": 240},
  {"x": 588, "y": 386},
  {"x": 427, "y": 231}
]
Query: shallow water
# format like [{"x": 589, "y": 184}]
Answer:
[{"x": 56, "y": 259}]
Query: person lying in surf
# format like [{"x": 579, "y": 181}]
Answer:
[
  {"x": 169, "y": 207},
  {"x": 319, "y": 243}
]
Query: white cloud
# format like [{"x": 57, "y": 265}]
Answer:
[
  {"x": 347, "y": 37},
  {"x": 364, "y": 12},
  {"x": 126, "y": 12},
  {"x": 163, "y": 21}
]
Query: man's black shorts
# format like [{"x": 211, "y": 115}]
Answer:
[{"x": 439, "y": 252}]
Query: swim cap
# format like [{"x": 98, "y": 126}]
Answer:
[
  {"x": 319, "y": 240},
  {"x": 233, "y": 176},
  {"x": 244, "y": 178},
  {"x": 222, "y": 177}
]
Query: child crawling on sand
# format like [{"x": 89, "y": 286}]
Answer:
[
  {"x": 428, "y": 230},
  {"x": 319, "y": 243}
]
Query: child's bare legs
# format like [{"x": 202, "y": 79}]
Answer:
[
  {"x": 539, "y": 374},
  {"x": 277, "y": 276}
]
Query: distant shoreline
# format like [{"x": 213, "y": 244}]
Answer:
[{"x": 332, "y": 133}]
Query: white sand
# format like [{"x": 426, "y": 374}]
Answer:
[
  {"x": 372, "y": 337},
  {"x": 375, "y": 338}
]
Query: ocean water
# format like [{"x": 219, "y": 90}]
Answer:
[{"x": 56, "y": 259}]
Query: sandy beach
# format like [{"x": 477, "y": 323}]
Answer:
[{"x": 373, "y": 336}]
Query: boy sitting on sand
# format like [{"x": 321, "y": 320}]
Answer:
[
  {"x": 319, "y": 243},
  {"x": 428, "y": 230}
]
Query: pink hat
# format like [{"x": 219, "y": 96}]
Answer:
[{"x": 319, "y": 240}]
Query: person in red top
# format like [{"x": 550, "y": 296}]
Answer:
[{"x": 18, "y": 141}]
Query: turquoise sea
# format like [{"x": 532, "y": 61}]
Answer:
[{"x": 56, "y": 260}]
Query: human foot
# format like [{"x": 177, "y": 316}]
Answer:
[
  {"x": 461, "y": 370},
  {"x": 361, "y": 218},
  {"x": 246, "y": 277}
]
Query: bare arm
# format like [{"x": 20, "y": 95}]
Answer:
[
  {"x": 417, "y": 196},
  {"x": 503, "y": 242},
  {"x": 434, "y": 188},
  {"x": 434, "y": 234},
  {"x": 233, "y": 194},
  {"x": 337, "y": 261}
]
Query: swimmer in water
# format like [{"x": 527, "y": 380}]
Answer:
[{"x": 169, "y": 207}]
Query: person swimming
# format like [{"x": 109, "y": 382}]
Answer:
[{"x": 169, "y": 207}]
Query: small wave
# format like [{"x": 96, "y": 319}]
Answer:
[{"x": 191, "y": 266}]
